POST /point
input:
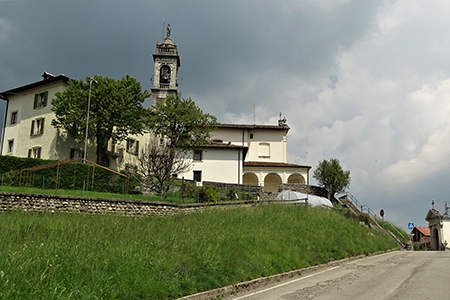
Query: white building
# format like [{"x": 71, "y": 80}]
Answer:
[
  {"x": 247, "y": 154},
  {"x": 27, "y": 131},
  {"x": 439, "y": 229}
]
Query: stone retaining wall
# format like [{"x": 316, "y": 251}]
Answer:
[{"x": 52, "y": 203}]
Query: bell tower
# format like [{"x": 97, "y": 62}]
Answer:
[{"x": 165, "y": 74}]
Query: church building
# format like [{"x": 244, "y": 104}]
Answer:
[{"x": 247, "y": 154}]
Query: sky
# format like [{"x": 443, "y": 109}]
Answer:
[{"x": 366, "y": 82}]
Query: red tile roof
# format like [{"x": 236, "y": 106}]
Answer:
[
  {"x": 50, "y": 78},
  {"x": 250, "y": 127},
  {"x": 424, "y": 230},
  {"x": 272, "y": 164}
]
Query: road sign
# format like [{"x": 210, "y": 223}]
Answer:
[
  {"x": 410, "y": 225},
  {"x": 382, "y": 213}
]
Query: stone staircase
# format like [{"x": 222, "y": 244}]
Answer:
[{"x": 351, "y": 203}]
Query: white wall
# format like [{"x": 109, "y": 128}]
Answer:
[
  {"x": 217, "y": 164},
  {"x": 275, "y": 139}
]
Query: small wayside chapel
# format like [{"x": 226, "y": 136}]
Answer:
[
  {"x": 439, "y": 228},
  {"x": 248, "y": 154}
]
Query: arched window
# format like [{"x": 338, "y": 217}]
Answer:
[{"x": 164, "y": 74}]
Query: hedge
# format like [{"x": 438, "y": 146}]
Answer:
[{"x": 73, "y": 175}]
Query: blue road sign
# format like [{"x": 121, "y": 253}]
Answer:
[{"x": 410, "y": 225}]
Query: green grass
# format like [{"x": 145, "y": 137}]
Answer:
[
  {"x": 171, "y": 196},
  {"x": 83, "y": 256},
  {"x": 404, "y": 237}
]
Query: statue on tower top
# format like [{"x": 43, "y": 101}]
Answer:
[{"x": 168, "y": 31}]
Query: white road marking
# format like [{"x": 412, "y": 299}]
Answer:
[{"x": 286, "y": 283}]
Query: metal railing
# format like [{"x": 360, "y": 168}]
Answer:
[{"x": 365, "y": 209}]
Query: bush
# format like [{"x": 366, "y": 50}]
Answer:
[
  {"x": 246, "y": 196},
  {"x": 416, "y": 246},
  {"x": 190, "y": 191},
  {"x": 232, "y": 194},
  {"x": 72, "y": 176},
  {"x": 208, "y": 194}
]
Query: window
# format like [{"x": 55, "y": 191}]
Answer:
[
  {"x": 40, "y": 100},
  {"x": 34, "y": 152},
  {"x": 37, "y": 126},
  {"x": 264, "y": 150},
  {"x": 132, "y": 146},
  {"x": 197, "y": 154},
  {"x": 13, "y": 117},
  {"x": 76, "y": 153},
  {"x": 164, "y": 76},
  {"x": 251, "y": 136},
  {"x": 198, "y": 176},
  {"x": 10, "y": 146}
]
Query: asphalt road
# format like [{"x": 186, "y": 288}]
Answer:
[{"x": 395, "y": 275}]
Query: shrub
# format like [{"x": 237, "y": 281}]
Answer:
[
  {"x": 72, "y": 176},
  {"x": 246, "y": 196},
  {"x": 208, "y": 194},
  {"x": 190, "y": 191},
  {"x": 232, "y": 194}
]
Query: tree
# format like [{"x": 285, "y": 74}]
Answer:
[
  {"x": 116, "y": 111},
  {"x": 181, "y": 123},
  {"x": 180, "y": 126},
  {"x": 330, "y": 175},
  {"x": 157, "y": 163}
]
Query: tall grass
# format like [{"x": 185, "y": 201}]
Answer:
[{"x": 82, "y": 256}]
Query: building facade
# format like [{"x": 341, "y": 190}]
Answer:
[
  {"x": 250, "y": 155},
  {"x": 439, "y": 226}
]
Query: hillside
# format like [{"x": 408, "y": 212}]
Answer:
[{"x": 83, "y": 256}]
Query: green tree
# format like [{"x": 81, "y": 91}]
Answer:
[
  {"x": 182, "y": 126},
  {"x": 181, "y": 123},
  {"x": 116, "y": 111},
  {"x": 330, "y": 175}
]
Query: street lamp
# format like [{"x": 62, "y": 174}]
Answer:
[{"x": 87, "y": 117}]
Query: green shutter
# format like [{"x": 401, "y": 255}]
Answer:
[
  {"x": 29, "y": 152},
  {"x": 42, "y": 125},
  {"x": 39, "y": 152},
  {"x": 128, "y": 145},
  {"x": 45, "y": 98},
  {"x": 32, "y": 127},
  {"x": 136, "y": 143},
  {"x": 36, "y": 99}
]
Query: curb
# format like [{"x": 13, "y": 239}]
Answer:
[{"x": 255, "y": 283}]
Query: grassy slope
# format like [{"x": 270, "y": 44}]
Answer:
[{"x": 82, "y": 256}]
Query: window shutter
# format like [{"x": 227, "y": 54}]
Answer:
[
  {"x": 39, "y": 152},
  {"x": 42, "y": 125},
  {"x": 36, "y": 99},
  {"x": 72, "y": 154},
  {"x": 45, "y": 98},
  {"x": 128, "y": 145},
  {"x": 29, "y": 152},
  {"x": 136, "y": 147},
  {"x": 32, "y": 127}
]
